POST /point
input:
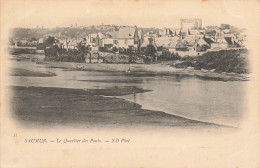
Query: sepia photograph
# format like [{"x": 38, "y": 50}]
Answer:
[{"x": 142, "y": 83}]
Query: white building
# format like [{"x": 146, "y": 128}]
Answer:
[{"x": 124, "y": 37}]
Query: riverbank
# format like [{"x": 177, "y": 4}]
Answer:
[
  {"x": 137, "y": 70},
  {"x": 151, "y": 70},
  {"x": 25, "y": 72},
  {"x": 228, "y": 61},
  {"x": 22, "y": 50},
  {"x": 47, "y": 106}
]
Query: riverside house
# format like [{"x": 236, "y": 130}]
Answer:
[
  {"x": 203, "y": 44},
  {"x": 225, "y": 41},
  {"x": 92, "y": 39},
  {"x": 124, "y": 37}
]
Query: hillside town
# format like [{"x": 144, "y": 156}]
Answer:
[{"x": 106, "y": 41}]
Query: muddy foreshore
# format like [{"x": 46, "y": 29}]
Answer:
[
  {"x": 47, "y": 106},
  {"x": 25, "y": 72}
]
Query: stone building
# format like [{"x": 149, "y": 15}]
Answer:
[{"x": 191, "y": 23}]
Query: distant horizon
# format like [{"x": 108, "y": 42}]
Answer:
[
  {"x": 146, "y": 14},
  {"x": 111, "y": 24}
]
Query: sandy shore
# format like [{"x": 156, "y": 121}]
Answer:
[
  {"x": 151, "y": 70},
  {"x": 137, "y": 70},
  {"x": 41, "y": 106}
]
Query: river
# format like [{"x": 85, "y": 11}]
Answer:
[{"x": 204, "y": 100}]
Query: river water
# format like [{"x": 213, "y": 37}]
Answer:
[{"x": 205, "y": 100}]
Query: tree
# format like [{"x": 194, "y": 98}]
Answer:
[
  {"x": 82, "y": 48},
  {"x": 50, "y": 41},
  {"x": 114, "y": 49},
  {"x": 150, "y": 50}
]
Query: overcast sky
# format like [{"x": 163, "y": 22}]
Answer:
[{"x": 143, "y": 13}]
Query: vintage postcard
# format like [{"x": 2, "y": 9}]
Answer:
[{"x": 130, "y": 84}]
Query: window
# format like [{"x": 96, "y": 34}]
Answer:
[
  {"x": 126, "y": 42},
  {"x": 115, "y": 42}
]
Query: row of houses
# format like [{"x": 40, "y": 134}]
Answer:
[
  {"x": 123, "y": 37},
  {"x": 183, "y": 41},
  {"x": 194, "y": 44},
  {"x": 175, "y": 40}
]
